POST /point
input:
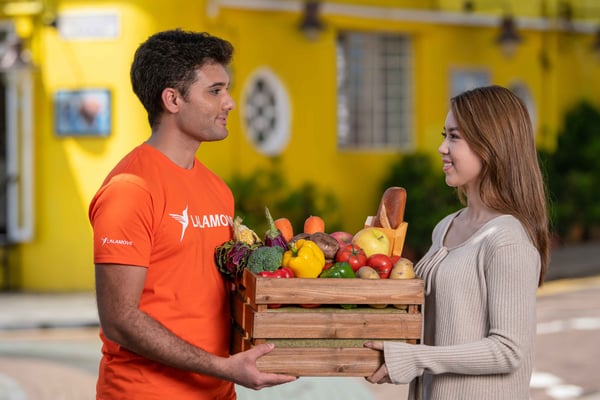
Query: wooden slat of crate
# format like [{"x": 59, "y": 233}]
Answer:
[
  {"x": 314, "y": 361},
  {"x": 241, "y": 312},
  {"x": 334, "y": 361},
  {"x": 342, "y": 325},
  {"x": 258, "y": 290},
  {"x": 239, "y": 341}
]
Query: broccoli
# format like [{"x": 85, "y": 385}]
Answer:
[{"x": 265, "y": 258}]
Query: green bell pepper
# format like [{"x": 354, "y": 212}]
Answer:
[{"x": 340, "y": 270}]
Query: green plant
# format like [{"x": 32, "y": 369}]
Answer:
[
  {"x": 428, "y": 198},
  {"x": 268, "y": 187},
  {"x": 573, "y": 174}
]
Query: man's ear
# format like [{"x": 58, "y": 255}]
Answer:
[{"x": 170, "y": 99}]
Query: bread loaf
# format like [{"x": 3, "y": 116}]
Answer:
[{"x": 391, "y": 208}]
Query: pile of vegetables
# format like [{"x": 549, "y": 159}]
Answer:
[
  {"x": 302, "y": 256},
  {"x": 312, "y": 253}
]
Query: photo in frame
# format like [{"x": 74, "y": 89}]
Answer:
[{"x": 83, "y": 112}]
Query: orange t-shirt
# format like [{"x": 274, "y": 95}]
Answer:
[{"x": 151, "y": 213}]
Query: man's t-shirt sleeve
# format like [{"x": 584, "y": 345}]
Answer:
[{"x": 121, "y": 217}]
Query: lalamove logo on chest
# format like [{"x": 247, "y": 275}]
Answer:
[{"x": 187, "y": 220}]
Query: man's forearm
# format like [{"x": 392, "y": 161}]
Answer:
[{"x": 143, "y": 335}]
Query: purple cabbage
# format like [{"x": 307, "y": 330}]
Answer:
[{"x": 232, "y": 257}]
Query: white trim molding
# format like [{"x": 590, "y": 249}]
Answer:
[{"x": 399, "y": 14}]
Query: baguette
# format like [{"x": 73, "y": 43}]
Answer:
[{"x": 391, "y": 208}]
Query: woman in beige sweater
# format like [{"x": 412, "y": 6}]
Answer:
[{"x": 485, "y": 263}]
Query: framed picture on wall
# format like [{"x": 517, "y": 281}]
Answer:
[{"x": 82, "y": 112}]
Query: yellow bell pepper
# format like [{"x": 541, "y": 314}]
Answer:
[{"x": 305, "y": 258}]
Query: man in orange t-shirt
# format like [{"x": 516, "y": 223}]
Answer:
[{"x": 157, "y": 218}]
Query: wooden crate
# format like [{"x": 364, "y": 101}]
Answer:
[{"x": 328, "y": 340}]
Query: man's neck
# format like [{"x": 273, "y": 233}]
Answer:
[{"x": 182, "y": 152}]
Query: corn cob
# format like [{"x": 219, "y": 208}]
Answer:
[{"x": 242, "y": 233}]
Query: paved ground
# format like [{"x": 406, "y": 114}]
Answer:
[
  {"x": 567, "y": 350},
  {"x": 49, "y": 347}
]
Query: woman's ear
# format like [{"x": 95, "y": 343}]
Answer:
[{"x": 170, "y": 99}]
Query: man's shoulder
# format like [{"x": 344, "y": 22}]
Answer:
[{"x": 137, "y": 166}]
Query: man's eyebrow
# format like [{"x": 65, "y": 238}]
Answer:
[{"x": 217, "y": 84}]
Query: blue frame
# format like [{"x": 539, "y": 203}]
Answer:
[{"x": 83, "y": 112}]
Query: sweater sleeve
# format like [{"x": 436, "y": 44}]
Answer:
[{"x": 511, "y": 280}]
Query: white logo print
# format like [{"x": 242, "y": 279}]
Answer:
[
  {"x": 106, "y": 241},
  {"x": 183, "y": 220}
]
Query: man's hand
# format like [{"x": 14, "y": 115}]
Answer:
[
  {"x": 381, "y": 375},
  {"x": 244, "y": 371}
]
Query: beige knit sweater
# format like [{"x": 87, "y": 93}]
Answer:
[{"x": 479, "y": 317}]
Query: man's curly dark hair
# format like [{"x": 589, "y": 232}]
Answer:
[{"x": 170, "y": 59}]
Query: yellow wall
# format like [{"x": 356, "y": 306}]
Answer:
[{"x": 69, "y": 170}]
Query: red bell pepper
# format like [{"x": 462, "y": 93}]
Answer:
[
  {"x": 282, "y": 272},
  {"x": 278, "y": 273}
]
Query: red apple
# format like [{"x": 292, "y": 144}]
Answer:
[{"x": 342, "y": 237}]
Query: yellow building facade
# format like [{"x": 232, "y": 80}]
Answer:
[{"x": 77, "y": 56}]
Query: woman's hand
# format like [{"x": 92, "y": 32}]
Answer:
[{"x": 381, "y": 375}]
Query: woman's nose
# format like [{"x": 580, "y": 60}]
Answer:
[{"x": 443, "y": 148}]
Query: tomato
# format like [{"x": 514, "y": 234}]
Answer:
[
  {"x": 353, "y": 255},
  {"x": 327, "y": 265},
  {"x": 381, "y": 263}
]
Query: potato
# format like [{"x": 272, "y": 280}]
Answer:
[
  {"x": 403, "y": 269},
  {"x": 367, "y": 273},
  {"x": 326, "y": 243},
  {"x": 298, "y": 237}
]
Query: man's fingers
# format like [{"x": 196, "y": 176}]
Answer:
[{"x": 264, "y": 348}]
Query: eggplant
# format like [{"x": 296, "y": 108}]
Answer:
[{"x": 273, "y": 237}]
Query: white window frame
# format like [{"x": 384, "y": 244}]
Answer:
[{"x": 374, "y": 91}]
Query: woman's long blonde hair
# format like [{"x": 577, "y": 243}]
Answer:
[{"x": 497, "y": 127}]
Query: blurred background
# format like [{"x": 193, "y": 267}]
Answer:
[{"x": 336, "y": 101}]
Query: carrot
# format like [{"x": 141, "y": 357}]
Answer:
[
  {"x": 314, "y": 224},
  {"x": 285, "y": 227}
]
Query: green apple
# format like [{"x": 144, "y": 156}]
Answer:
[{"x": 373, "y": 241}]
